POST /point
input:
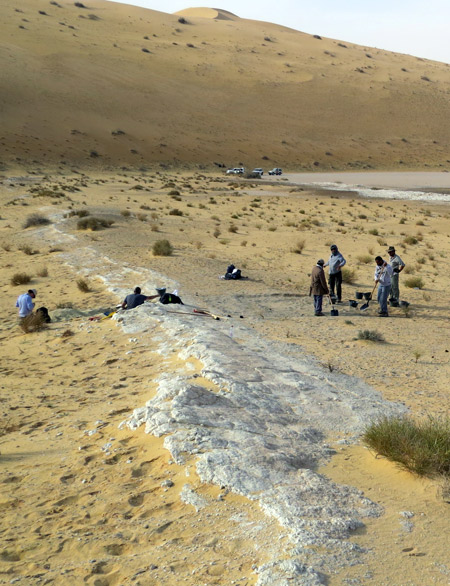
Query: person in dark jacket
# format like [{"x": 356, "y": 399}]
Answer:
[{"x": 319, "y": 286}]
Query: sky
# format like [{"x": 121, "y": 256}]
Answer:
[{"x": 414, "y": 27}]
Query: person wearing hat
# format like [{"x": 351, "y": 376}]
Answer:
[
  {"x": 397, "y": 267},
  {"x": 319, "y": 286},
  {"x": 335, "y": 264},
  {"x": 383, "y": 277},
  {"x": 136, "y": 298},
  {"x": 25, "y": 303}
]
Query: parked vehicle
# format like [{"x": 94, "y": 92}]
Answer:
[
  {"x": 236, "y": 171},
  {"x": 276, "y": 171},
  {"x": 258, "y": 171}
]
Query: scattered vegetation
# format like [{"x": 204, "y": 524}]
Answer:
[
  {"x": 83, "y": 285},
  {"x": 93, "y": 224},
  {"x": 370, "y": 335},
  {"x": 423, "y": 447},
  {"x": 33, "y": 323},
  {"x": 414, "y": 282},
  {"x": 43, "y": 272},
  {"x": 364, "y": 258},
  {"x": 299, "y": 246},
  {"x": 348, "y": 275},
  {"x": 162, "y": 248},
  {"x": 27, "y": 250},
  {"x": 36, "y": 220},
  {"x": 20, "y": 279}
]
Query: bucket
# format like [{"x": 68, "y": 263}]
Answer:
[
  {"x": 359, "y": 295},
  {"x": 334, "y": 312},
  {"x": 367, "y": 296},
  {"x": 353, "y": 303},
  {"x": 404, "y": 303}
]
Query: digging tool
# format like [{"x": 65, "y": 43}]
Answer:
[
  {"x": 334, "y": 312},
  {"x": 366, "y": 305}
]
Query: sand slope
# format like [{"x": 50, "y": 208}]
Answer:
[{"x": 110, "y": 85}]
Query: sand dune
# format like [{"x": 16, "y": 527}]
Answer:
[{"x": 112, "y": 85}]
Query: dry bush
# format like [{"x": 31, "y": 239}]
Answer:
[
  {"x": 36, "y": 220},
  {"x": 67, "y": 334},
  {"x": 162, "y": 248},
  {"x": 27, "y": 250},
  {"x": 83, "y": 285},
  {"x": 125, "y": 213},
  {"x": 414, "y": 283},
  {"x": 33, "y": 323},
  {"x": 142, "y": 217},
  {"x": 348, "y": 275},
  {"x": 43, "y": 272},
  {"x": 364, "y": 258},
  {"x": 232, "y": 228},
  {"x": 93, "y": 224},
  {"x": 20, "y": 279},
  {"x": 299, "y": 246}
]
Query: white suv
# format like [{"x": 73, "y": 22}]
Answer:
[{"x": 236, "y": 171}]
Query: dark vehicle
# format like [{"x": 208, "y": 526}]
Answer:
[{"x": 276, "y": 171}]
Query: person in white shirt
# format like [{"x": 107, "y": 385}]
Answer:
[
  {"x": 397, "y": 267},
  {"x": 383, "y": 276},
  {"x": 25, "y": 303}
]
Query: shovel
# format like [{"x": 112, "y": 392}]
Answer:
[{"x": 366, "y": 305}]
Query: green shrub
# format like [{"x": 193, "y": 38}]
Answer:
[
  {"x": 43, "y": 272},
  {"x": 410, "y": 240},
  {"x": 125, "y": 213},
  {"x": 36, "y": 220},
  {"x": 20, "y": 279},
  {"x": 422, "y": 447},
  {"x": 364, "y": 258},
  {"x": 175, "y": 212},
  {"x": 413, "y": 282},
  {"x": 370, "y": 335},
  {"x": 162, "y": 248},
  {"x": 79, "y": 213}
]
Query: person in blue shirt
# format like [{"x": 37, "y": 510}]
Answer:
[
  {"x": 25, "y": 303},
  {"x": 335, "y": 264}
]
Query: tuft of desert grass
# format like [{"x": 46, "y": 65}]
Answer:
[
  {"x": 299, "y": 246},
  {"x": 34, "y": 322},
  {"x": 36, "y": 220},
  {"x": 20, "y": 279},
  {"x": 348, "y": 275},
  {"x": 162, "y": 248},
  {"x": 422, "y": 447},
  {"x": 42, "y": 272},
  {"x": 83, "y": 285},
  {"x": 370, "y": 335},
  {"x": 414, "y": 282}
]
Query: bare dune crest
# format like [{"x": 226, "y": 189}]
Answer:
[{"x": 213, "y": 13}]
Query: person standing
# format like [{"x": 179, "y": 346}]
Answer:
[
  {"x": 383, "y": 276},
  {"x": 319, "y": 286},
  {"x": 25, "y": 303},
  {"x": 397, "y": 267},
  {"x": 335, "y": 264}
]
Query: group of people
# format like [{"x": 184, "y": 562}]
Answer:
[{"x": 386, "y": 277}]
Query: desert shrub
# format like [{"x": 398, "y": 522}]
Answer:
[
  {"x": 33, "y": 323},
  {"x": 43, "y": 272},
  {"x": 374, "y": 231},
  {"x": 36, "y": 220},
  {"x": 67, "y": 334},
  {"x": 364, "y": 258},
  {"x": 410, "y": 240},
  {"x": 83, "y": 285},
  {"x": 162, "y": 248},
  {"x": 154, "y": 228},
  {"x": 64, "y": 305},
  {"x": 93, "y": 224},
  {"x": 27, "y": 250},
  {"x": 348, "y": 275},
  {"x": 20, "y": 279},
  {"x": 175, "y": 212},
  {"x": 414, "y": 282},
  {"x": 370, "y": 335},
  {"x": 174, "y": 192},
  {"x": 232, "y": 228},
  {"x": 216, "y": 233},
  {"x": 299, "y": 246},
  {"x": 423, "y": 447},
  {"x": 142, "y": 217},
  {"x": 79, "y": 213},
  {"x": 125, "y": 213}
]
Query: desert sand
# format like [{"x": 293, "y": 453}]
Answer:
[
  {"x": 131, "y": 116},
  {"x": 85, "y": 501},
  {"x": 112, "y": 85}
]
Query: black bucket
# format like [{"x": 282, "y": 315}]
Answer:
[
  {"x": 404, "y": 303},
  {"x": 359, "y": 295},
  {"x": 334, "y": 312},
  {"x": 353, "y": 303},
  {"x": 368, "y": 296}
]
